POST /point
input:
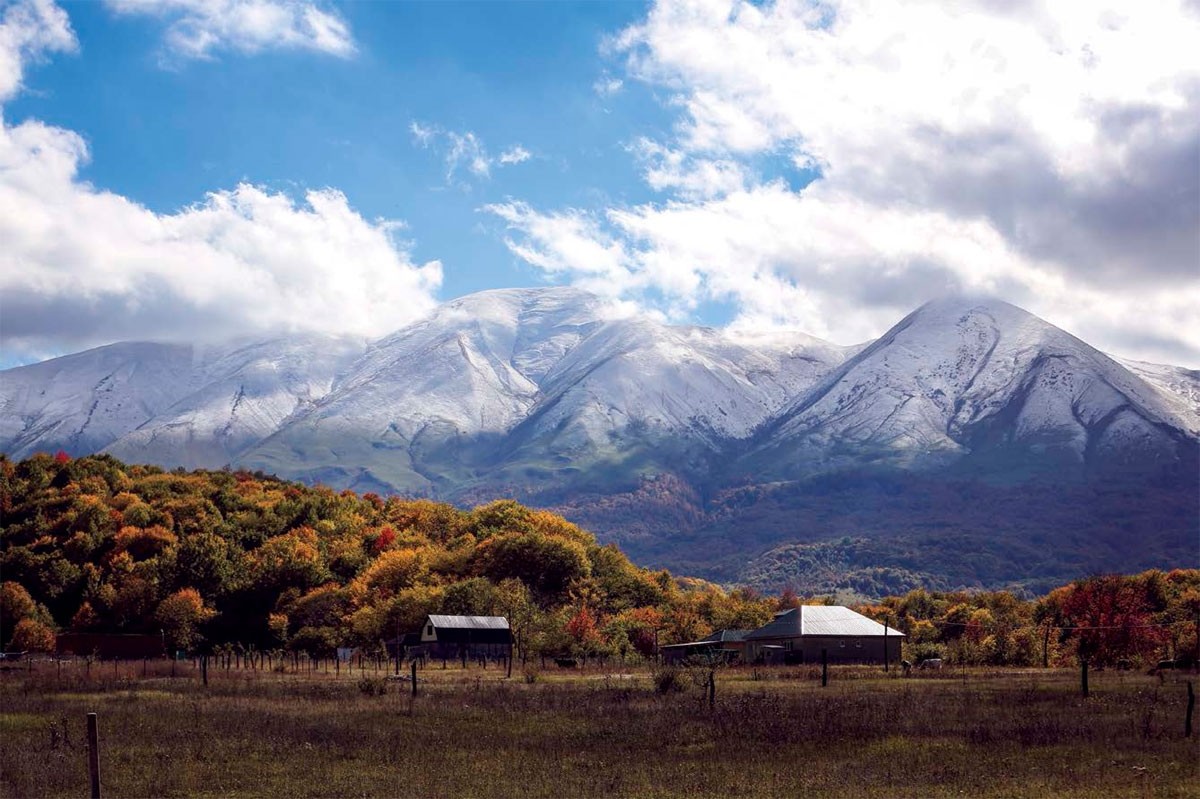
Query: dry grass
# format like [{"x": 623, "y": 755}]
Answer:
[{"x": 771, "y": 733}]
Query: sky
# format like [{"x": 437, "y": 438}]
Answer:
[{"x": 204, "y": 169}]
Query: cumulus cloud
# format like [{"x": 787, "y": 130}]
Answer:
[
  {"x": 29, "y": 31},
  {"x": 83, "y": 266},
  {"x": 197, "y": 28},
  {"x": 465, "y": 151},
  {"x": 1043, "y": 152}
]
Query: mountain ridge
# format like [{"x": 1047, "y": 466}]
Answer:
[{"x": 549, "y": 395}]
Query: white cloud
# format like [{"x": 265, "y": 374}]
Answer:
[
  {"x": 82, "y": 266},
  {"x": 1043, "y": 152},
  {"x": 29, "y": 31},
  {"x": 422, "y": 134},
  {"x": 515, "y": 155},
  {"x": 607, "y": 86},
  {"x": 464, "y": 151},
  {"x": 196, "y": 28},
  {"x": 689, "y": 176}
]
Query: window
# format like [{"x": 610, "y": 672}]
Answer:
[
  {"x": 429, "y": 630},
  {"x": 842, "y": 644},
  {"x": 858, "y": 644}
]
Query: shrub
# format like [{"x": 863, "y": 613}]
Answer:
[
  {"x": 373, "y": 686},
  {"x": 667, "y": 679}
]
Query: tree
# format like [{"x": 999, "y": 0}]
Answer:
[
  {"x": 1109, "y": 618},
  {"x": 181, "y": 615},
  {"x": 15, "y": 605},
  {"x": 33, "y": 636}
]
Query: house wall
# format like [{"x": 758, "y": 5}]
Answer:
[{"x": 839, "y": 649}]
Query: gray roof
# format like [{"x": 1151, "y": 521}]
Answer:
[
  {"x": 729, "y": 636},
  {"x": 469, "y": 622},
  {"x": 820, "y": 620}
]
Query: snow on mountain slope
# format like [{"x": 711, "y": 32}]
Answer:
[
  {"x": 961, "y": 377},
  {"x": 410, "y": 410},
  {"x": 514, "y": 378},
  {"x": 245, "y": 393},
  {"x": 81, "y": 403},
  {"x": 1180, "y": 387},
  {"x": 639, "y": 381},
  {"x": 526, "y": 385}
]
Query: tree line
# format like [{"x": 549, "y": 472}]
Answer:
[{"x": 213, "y": 558}]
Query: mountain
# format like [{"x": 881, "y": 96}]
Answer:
[
  {"x": 991, "y": 389},
  {"x": 734, "y": 457}
]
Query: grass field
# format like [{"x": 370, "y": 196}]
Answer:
[{"x": 472, "y": 733}]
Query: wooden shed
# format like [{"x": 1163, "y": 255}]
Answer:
[
  {"x": 466, "y": 636},
  {"x": 800, "y": 634}
]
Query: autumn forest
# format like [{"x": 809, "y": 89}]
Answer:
[{"x": 228, "y": 558}]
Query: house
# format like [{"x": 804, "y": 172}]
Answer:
[
  {"x": 472, "y": 637},
  {"x": 801, "y": 634},
  {"x": 725, "y": 644}
]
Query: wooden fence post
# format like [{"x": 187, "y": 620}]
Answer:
[
  {"x": 413, "y": 666},
  {"x": 824, "y": 668},
  {"x": 93, "y": 755},
  {"x": 1083, "y": 665},
  {"x": 886, "y": 620},
  {"x": 1191, "y": 705}
]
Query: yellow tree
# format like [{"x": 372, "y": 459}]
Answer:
[{"x": 181, "y": 615}]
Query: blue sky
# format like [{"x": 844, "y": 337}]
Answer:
[
  {"x": 192, "y": 169},
  {"x": 164, "y": 133}
]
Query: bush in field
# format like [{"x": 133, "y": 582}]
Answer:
[
  {"x": 667, "y": 679},
  {"x": 373, "y": 686}
]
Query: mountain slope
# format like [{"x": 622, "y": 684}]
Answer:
[{"x": 985, "y": 386}]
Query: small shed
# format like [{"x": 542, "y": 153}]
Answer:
[
  {"x": 723, "y": 644},
  {"x": 799, "y": 635},
  {"x": 466, "y": 636}
]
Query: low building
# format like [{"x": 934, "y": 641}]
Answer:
[
  {"x": 726, "y": 645},
  {"x": 452, "y": 637},
  {"x": 107, "y": 646},
  {"x": 801, "y": 634}
]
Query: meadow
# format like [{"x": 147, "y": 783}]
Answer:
[{"x": 593, "y": 732}]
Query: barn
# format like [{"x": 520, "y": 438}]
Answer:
[
  {"x": 466, "y": 636},
  {"x": 800, "y": 635}
]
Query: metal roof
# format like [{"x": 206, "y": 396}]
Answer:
[
  {"x": 728, "y": 636},
  {"x": 821, "y": 620},
  {"x": 468, "y": 622}
]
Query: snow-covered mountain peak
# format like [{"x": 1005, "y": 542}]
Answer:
[{"x": 961, "y": 376}]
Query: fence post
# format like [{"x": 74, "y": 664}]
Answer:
[
  {"x": 93, "y": 755},
  {"x": 1191, "y": 705},
  {"x": 824, "y": 668},
  {"x": 1083, "y": 665},
  {"x": 886, "y": 621},
  {"x": 413, "y": 665}
]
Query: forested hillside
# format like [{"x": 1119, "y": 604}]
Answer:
[{"x": 208, "y": 558}]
